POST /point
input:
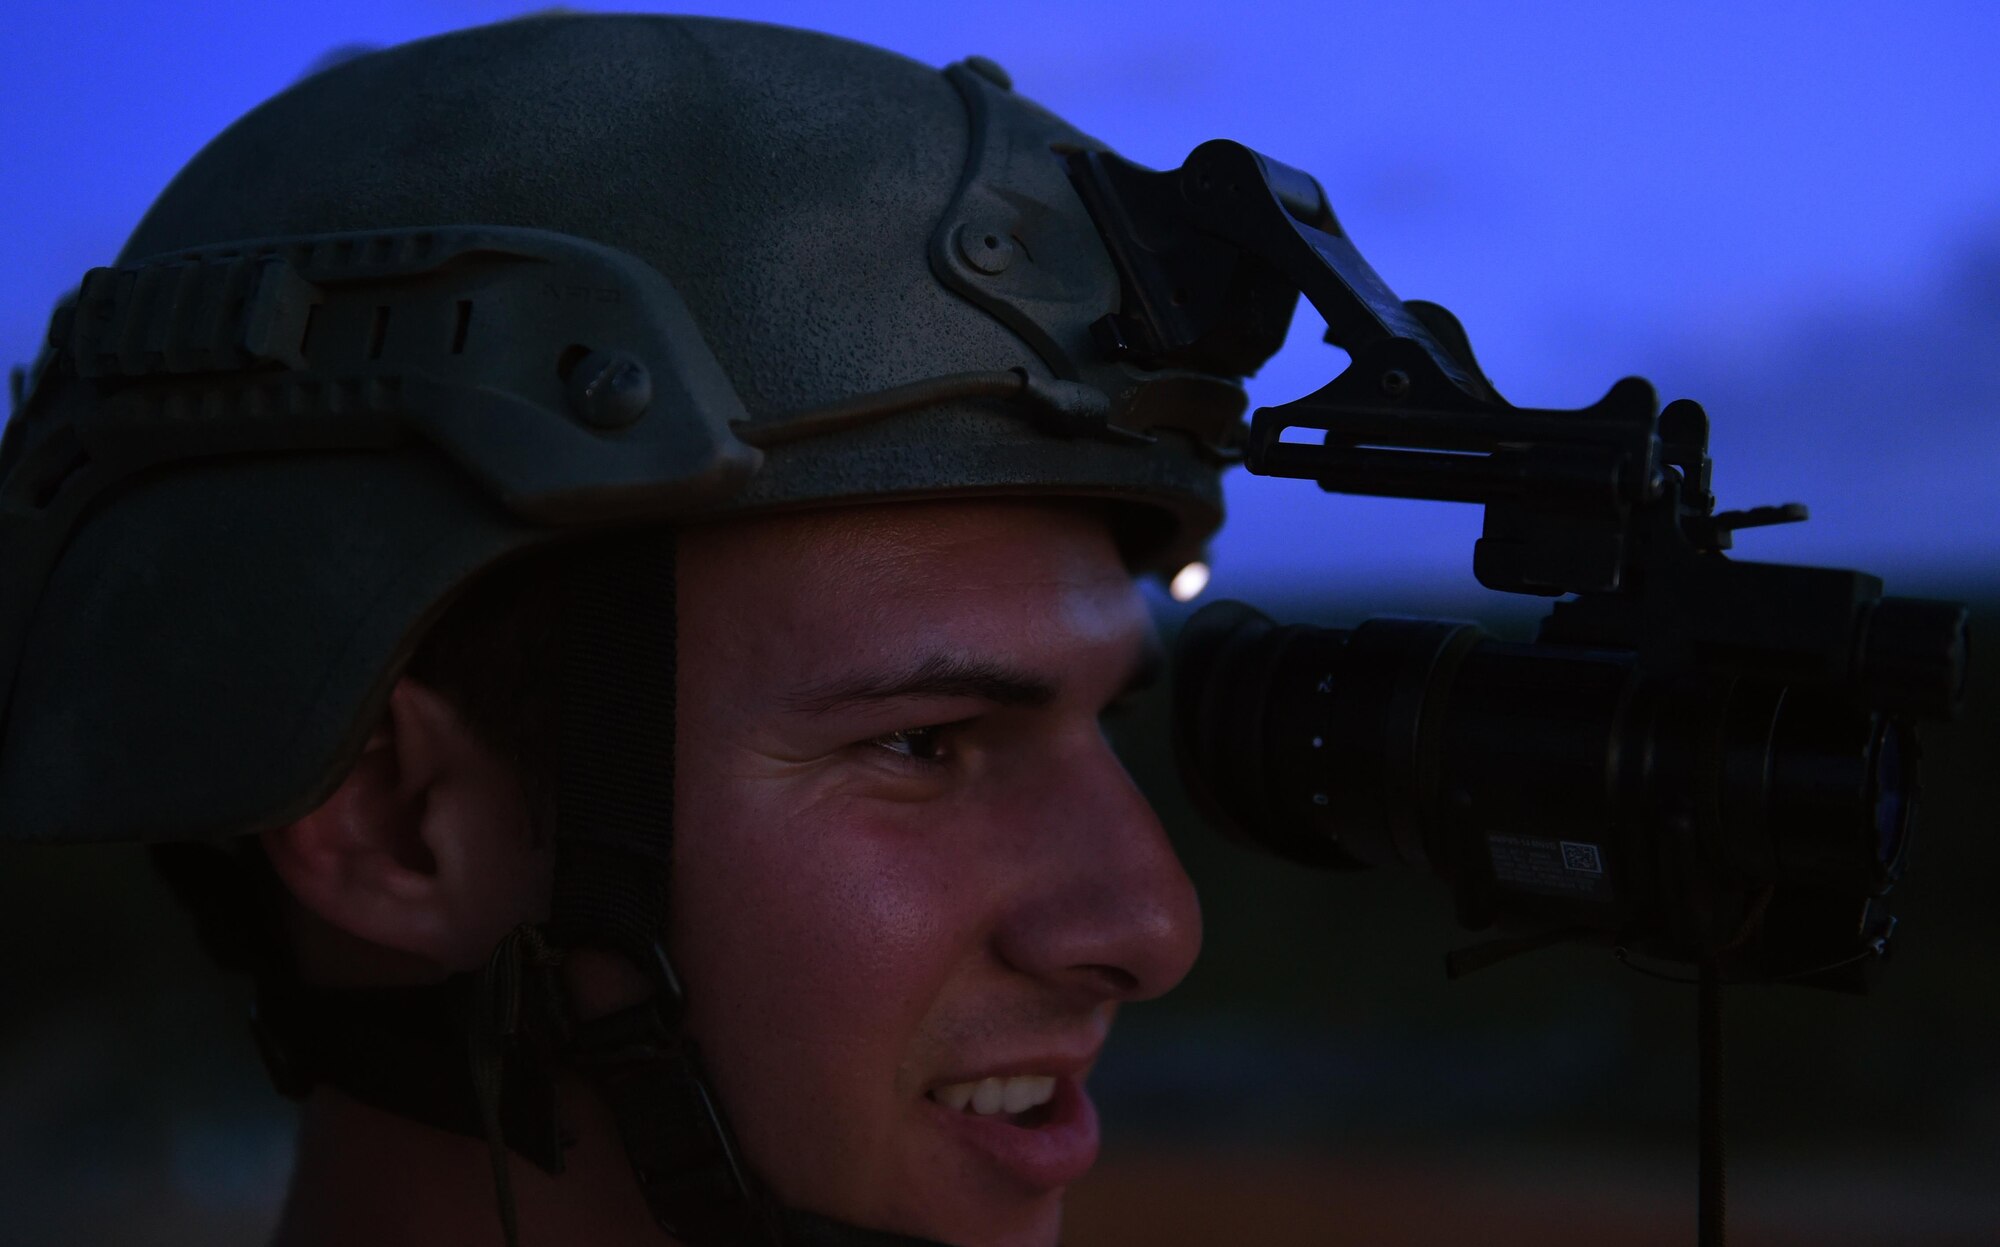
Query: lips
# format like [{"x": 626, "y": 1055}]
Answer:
[{"x": 1059, "y": 1148}]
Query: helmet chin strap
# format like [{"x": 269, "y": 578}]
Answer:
[
  {"x": 614, "y": 839},
  {"x": 614, "y": 850},
  {"x": 478, "y": 1054}
]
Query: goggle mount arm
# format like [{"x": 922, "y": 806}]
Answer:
[{"x": 1609, "y": 502}]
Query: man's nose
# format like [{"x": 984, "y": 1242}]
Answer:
[{"x": 1105, "y": 911}]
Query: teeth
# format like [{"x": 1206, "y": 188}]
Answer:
[
  {"x": 987, "y": 1099},
  {"x": 989, "y": 1096},
  {"x": 1025, "y": 1093},
  {"x": 957, "y": 1096}
]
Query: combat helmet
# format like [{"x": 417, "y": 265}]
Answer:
[{"x": 550, "y": 284}]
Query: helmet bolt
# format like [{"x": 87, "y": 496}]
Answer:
[
  {"x": 610, "y": 390},
  {"x": 988, "y": 250},
  {"x": 1395, "y": 383},
  {"x": 988, "y": 68}
]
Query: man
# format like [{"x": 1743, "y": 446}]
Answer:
[
  {"x": 913, "y": 880},
  {"x": 442, "y": 534}
]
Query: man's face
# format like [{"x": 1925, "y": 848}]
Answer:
[{"x": 906, "y": 858}]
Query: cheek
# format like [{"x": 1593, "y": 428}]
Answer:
[
  {"x": 816, "y": 941},
  {"x": 809, "y": 913}
]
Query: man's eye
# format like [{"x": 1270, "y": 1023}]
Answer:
[{"x": 918, "y": 746}]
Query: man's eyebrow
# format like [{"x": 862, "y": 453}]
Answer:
[
  {"x": 940, "y": 675},
  {"x": 947, "y": 675}
]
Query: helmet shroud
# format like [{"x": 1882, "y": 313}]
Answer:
[{"x": 197, "y": 641}]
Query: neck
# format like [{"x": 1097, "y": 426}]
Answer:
[{"x": 366, "y": 1176}]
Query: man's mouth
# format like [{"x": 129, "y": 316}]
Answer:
[
  {"x": 1022, "y": 1100},
  {"x": 1040, "y": 1129}
]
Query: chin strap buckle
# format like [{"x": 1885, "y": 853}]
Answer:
[
  {"x": 515, "y": 1008},
  {"x": 684, "y": 1156}
]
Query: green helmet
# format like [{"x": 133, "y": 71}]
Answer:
[
  {"x": 562, "y": 280},
  {"x": 449, "y": 301}
]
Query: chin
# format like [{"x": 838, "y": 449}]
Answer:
[{"x": 1034, "y": 1224}]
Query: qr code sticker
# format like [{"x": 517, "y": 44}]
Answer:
[{"x": 1582, "y": 857}]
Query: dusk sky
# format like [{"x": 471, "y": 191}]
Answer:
[
  {"x": 1789, "y": 211},
  {"x": 1786, "y": 209}
]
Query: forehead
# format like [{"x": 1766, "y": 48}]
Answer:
[{"x": 866, "y": 582}]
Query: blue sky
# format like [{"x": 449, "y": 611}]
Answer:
[{"x": 1790, "y": 211}]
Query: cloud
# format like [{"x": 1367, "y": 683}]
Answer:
[{"x": 1885, "y": 411}]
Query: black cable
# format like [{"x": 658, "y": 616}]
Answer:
[
  {"x": 868, "y": 408},
  {"x": 1708, "y": 1007},
  {"x": 1068, "y": 408},
  {"x": 1876, "y": 949}
]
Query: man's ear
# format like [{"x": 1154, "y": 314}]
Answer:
[{"x": 425, "y": 851}]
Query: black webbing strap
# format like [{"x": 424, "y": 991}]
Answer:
[
  {"x": 519, "y": 981},
  {"x": 614, "y": 840},
  {"x": 615, "y": 774},
  {"x": 404, "y": 1050},
  {"x": 682, "y": 1152}
]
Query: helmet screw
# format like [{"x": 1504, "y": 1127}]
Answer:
[
  {"x": 610, "y": 389},
  {"x": 1395, "y": 383},
  {"x": 988, "y": 250},
  {"x": 988, "y": 68}
]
